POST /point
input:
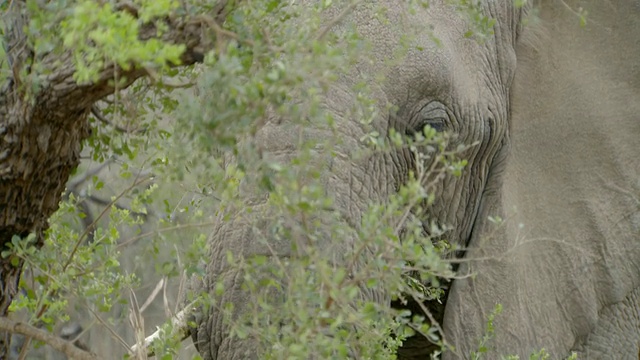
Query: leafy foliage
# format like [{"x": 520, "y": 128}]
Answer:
[{"x": 180, "y": 162}]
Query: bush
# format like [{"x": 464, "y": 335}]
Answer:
[{"x": 176, "y": 162}]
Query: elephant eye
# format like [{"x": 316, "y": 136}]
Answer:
[
  {"x": 434, "y": 114},
  {"x": 437, "y": 124}
]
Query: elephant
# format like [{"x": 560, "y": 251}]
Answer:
[{"x": 553, "y": 110}]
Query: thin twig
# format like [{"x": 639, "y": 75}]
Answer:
[
  {"x": 73, "y": 185},
  {"x": 136, "y": 182},
  {"x": 104, "y": 202},
  {"x": 338, "y": 19},
  {"x": 150, "y": 233},
  {"x": 98, "y": 115},
  {"x": 108, "y": 327}
]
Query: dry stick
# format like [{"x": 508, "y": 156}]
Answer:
[
  {"x": 55, "y": 342},
  {"x": 183, "y": 280},
  {"x": 137, "y": 323},
  {"x": 180, "y": 327},
  {"x": 153, "y": 294},
  {"x": 165, "y": 301}
]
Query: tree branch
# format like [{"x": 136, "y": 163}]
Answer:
[
  {"x": 42, "y": 128},
  {"x": 100, "y": 117},
  {"x": 55, "y": 342}
]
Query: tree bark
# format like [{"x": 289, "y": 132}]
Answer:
[{"x": 41, "y": 131}]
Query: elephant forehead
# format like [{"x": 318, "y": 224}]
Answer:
[
  {"x": 401, "y": 36},
  {"x": 422, "y": 52}
]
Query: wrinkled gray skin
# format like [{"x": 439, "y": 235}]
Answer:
[{"x": 555, "y": 109}]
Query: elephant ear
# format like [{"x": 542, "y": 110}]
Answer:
[{"x": 565, "y": 264}]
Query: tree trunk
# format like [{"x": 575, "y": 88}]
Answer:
[
  {"x": 39, "y": 148},
  {"x": 41, "y": 131}
]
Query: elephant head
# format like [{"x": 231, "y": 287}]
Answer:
[{"x": 550, "y": 119}]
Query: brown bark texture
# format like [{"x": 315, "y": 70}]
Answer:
[{"x": 41, "y": 131}]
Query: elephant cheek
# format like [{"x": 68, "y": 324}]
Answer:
[
  {"x": 212, "y": 333},
  {"x": 254, "y": 229},
  {"x": 246, "y": 235}
]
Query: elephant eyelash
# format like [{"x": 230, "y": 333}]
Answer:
[
  {"x": 433, "y": 115},
  {"x": 437, "y": 124}
]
